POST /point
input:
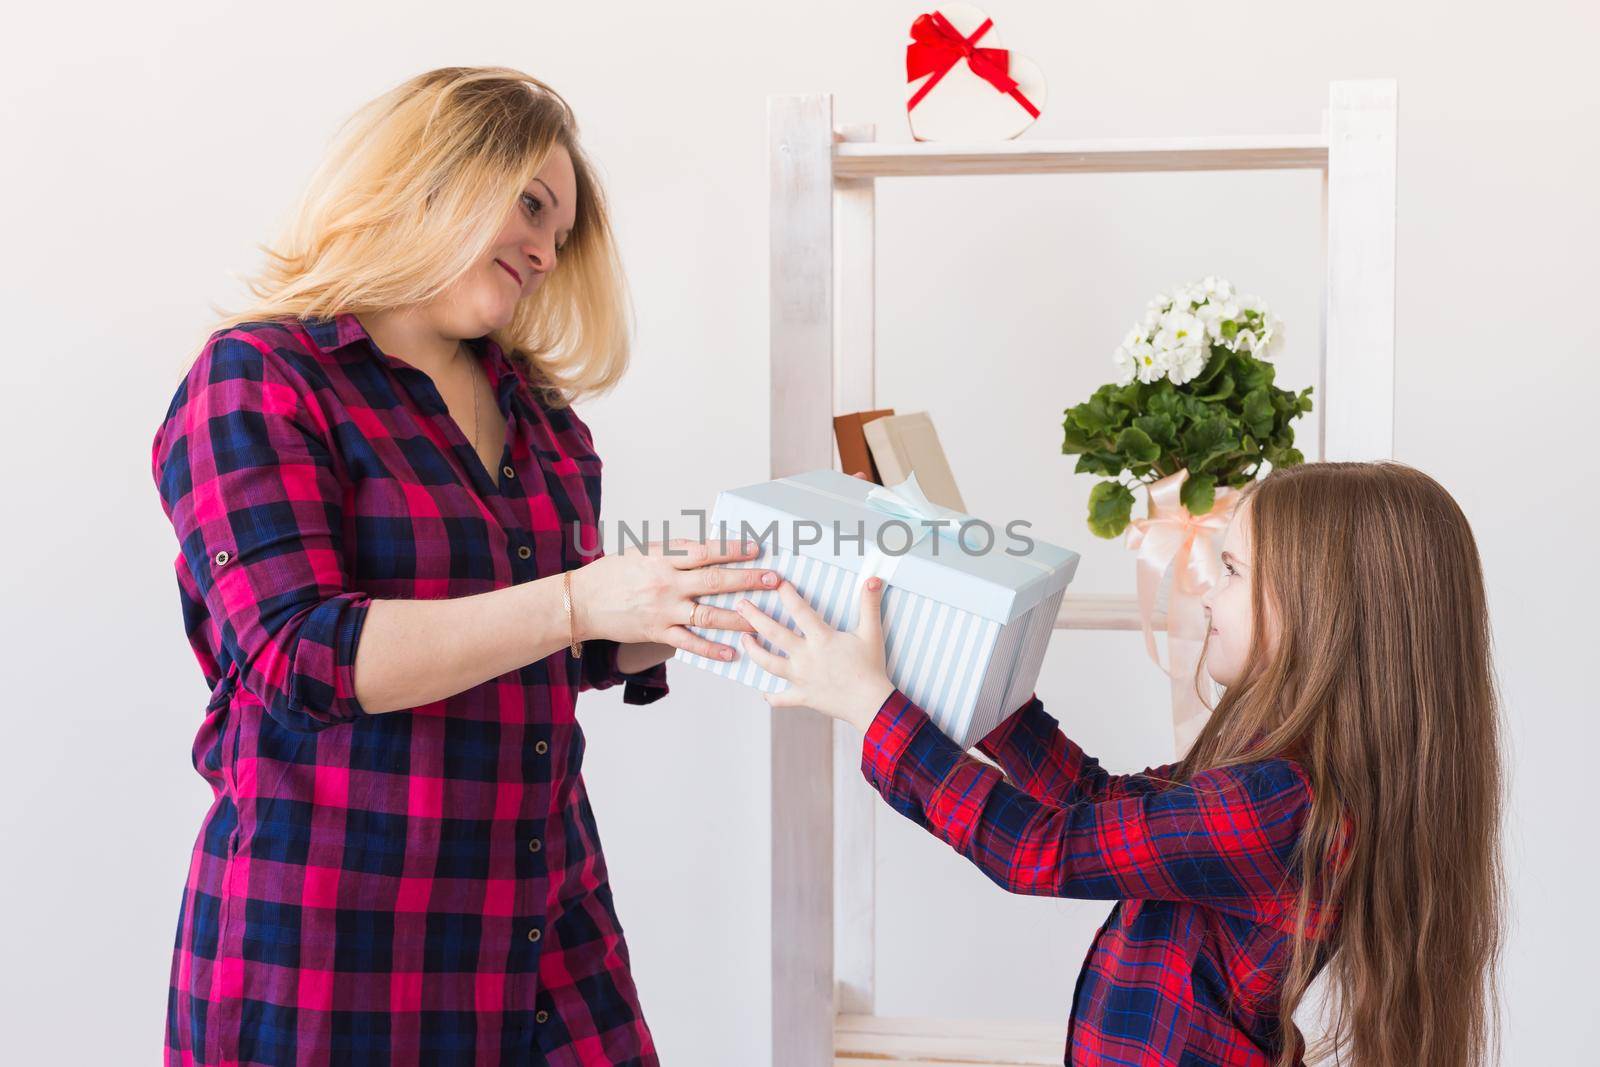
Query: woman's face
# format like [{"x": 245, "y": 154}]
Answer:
[
  {"x": 526, "y": 249},
  {"x": 1228, "y": 604}
]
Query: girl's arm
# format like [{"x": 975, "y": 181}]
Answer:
[
  {"x": 1045, "y": 763},
  {"x": 1225, "y": 838}
]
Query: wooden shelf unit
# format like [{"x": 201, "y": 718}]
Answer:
[{"x": 822, "y": 254}]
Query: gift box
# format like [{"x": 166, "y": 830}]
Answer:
[
  {"x": 961, "y": 85},
  {"x": 968, "y": 608}
]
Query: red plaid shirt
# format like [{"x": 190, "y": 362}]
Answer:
[
  {"x": 423, "y": 886},
  {"x": 1188, "y": 966}
]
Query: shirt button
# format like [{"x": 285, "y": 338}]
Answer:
[
  {"x": 534, "y": 845},
  {"x": 541, "y": 1016},
  {"x": 524, "y": 551},
  {"x": 534, "y": 935},
  {"x": 509, "y": 471},
  {"x": 541, "y": 747},
  {"x": 223, "y": 557}
]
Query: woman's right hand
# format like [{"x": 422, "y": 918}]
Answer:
[{"x": 650, "y": 595}]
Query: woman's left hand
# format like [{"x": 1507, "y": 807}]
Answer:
[{"x": 839, "y": 673}]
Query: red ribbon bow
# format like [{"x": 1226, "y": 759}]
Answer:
[{"x": 936, "y": 46}]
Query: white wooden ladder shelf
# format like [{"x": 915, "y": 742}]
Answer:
[{"x": 822, "y": 313}]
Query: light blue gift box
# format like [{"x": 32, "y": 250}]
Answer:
[{"x": 968, "y": 608}]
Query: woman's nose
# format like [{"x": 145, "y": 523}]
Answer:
[{"x": 540, "y": 258}]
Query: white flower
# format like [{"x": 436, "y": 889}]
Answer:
[
  {"x": 1184, "y": 296},
  {"x": 1216, "y": 289},
  {"x": 1186, "y": 363},
  {"x": 1126, "y": 367},
  {"x": 1244, "y": 341},
  {"x": 1214, "y": 314},
  {"x": 1136, "y": 336},
  {"x": 1151, "y": 363},
  {"x": 1271, "y": 331},
  {"x": 1180, "y": 329}
]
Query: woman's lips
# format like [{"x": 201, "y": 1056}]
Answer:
[{"x": 511, "y": 272}]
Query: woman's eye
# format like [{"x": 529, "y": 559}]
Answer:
[
  {"x": 534, "y": 205},
  {"x": 1228, "y": 567}
]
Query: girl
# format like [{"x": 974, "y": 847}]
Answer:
[
  {"x": 1340, "y": 808},
  {"x": 383, "y": 500}
]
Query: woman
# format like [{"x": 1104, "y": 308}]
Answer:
[{"x": 384, "y": 504}]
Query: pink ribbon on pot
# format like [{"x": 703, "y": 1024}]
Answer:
[{"x": 1168, "y": 538}]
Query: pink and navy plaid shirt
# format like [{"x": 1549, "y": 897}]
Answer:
[
  {"x": 1187, "y": 967},
  {"x": 423, "y": 886}
]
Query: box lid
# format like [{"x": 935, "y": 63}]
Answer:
[{"x": 820, "y": 513}]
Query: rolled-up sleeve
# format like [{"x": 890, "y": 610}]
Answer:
[
  {"x": 249, "y": 483},
  {"x": 600, "y": 672}
]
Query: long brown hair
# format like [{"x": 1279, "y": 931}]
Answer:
[
  {"x": 417, "y": 184},
  {"x": 1381, "y": 687}
]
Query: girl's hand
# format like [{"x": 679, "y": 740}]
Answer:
[
  {"x": 841, "y": 674},
  {"x": 650, "y": 595}
]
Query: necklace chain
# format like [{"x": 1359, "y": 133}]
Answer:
[{"x": 474, "y": 402}]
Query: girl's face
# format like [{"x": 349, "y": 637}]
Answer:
[
  {"x": 525, "y": 250},
  {"x": 1228, "y": 604}
]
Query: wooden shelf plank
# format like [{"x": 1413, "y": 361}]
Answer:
[
  {"x": 863, "y": 1040},
  {"x": 920, "y": 158},
  {"x": 1085, "y": 611}
]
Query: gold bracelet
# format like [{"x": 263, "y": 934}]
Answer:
[{"x": 572, "y": 625}]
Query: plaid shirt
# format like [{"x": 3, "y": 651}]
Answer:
[
  {"x": 1186, "y": 968},
  {"x": 423, "y": 886}
]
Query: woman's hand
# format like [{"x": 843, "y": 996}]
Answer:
[
  {"x": 841, "y": 674},
  {"x": 649, "y": 596}
]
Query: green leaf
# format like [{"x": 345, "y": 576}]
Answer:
[
  {"x": 1096, "y": 416},
  {"x": 1098, "y": 462},
  {"x": 1205, "y": 436},
  {"x": 1110, "y": 505},
  {"x": 1258, "y": 413},
  {"x": 1073, "y": 439},
  {"x": 1164, "y": 400},
  {"x": 1136, "y": 447},
  {"x": 1198, "y": 493},
  {"x": 1162, "y": 430},
  {"x": 1252, "y": 373},
  {"x": 1209, "y": 443},
  {"x": 1221, "y": 390},
  {"x": 1214, "y": 364}
]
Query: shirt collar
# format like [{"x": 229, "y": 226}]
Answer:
[{"x": 334, "y": 334}]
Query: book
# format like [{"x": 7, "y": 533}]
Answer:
[
  {"x": 905, "y": 444},
  {"x": 854, "y": 455}
]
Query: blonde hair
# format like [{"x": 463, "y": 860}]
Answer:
[
  {"x": 1381, "y": 687},
  {"x": 414, "y": 190}
]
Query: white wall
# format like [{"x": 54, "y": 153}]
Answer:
[{"x": 147, "y": 149}]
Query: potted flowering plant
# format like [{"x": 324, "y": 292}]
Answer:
[{"x": 1194, "y": 394}]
